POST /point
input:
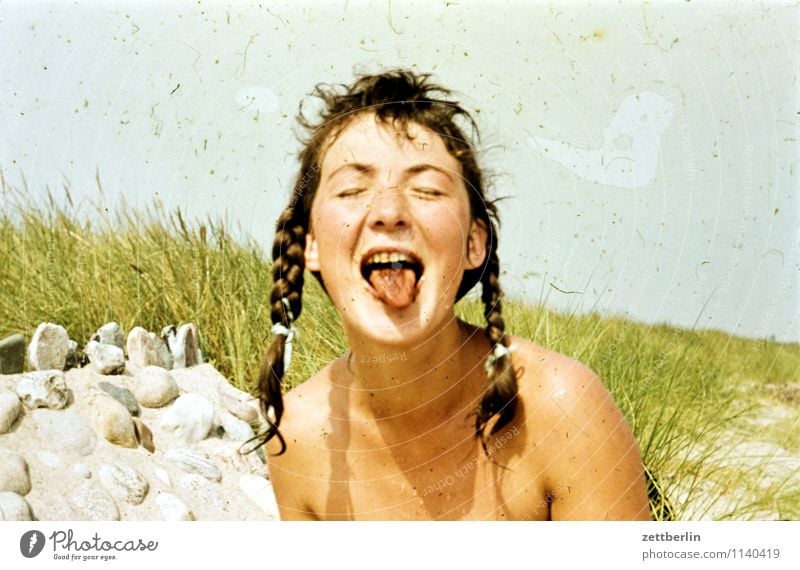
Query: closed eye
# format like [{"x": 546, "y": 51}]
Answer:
[
  {"x": 425, "y": 192},
  {"x": 350, "y": 192}
]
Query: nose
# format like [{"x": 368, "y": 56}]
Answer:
[{"x": 389, "y": 210}]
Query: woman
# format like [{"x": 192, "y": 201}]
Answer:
[{"x": 426, "y": 417}]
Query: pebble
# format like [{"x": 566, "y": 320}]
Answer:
[
  {"x": 184, "y": 345},
  {"x": 163, "y": 476},
  {"x": 95, "y": 502},
  {"x": 146, "y": 349},
  {"x": 12, "y": 354},
  {"x": 143, "y": 435},
  {"x": 49, "y": 347},
  {"x": 105, "y": 358},
  {"x": 43, "y": 389},
  {"x": 229, "y": 455},
  {"x": 124, "y": 482},
  {"x": 235, "y": 429},
  {"x": 82, "y": 471},
  {"x": 259, "y": 490},
  {"x": 112, "y": 420},
  {"x": 49, "y": 459},
  {"x": 239, "y": 408},
  {"x": 121, "y": 395},
  {"x": 154, "y": 387},
  {"x": 110, "y": 333},
  {"x": 190, "y": 418},
  {"x": 14, "y": 474},
  {"x": 65, "y": 431},
  {"x": 199, "y": 486},
  {"x": 10, "y": 407},
  {"x": 14, "y": 507},
  {"x": 196, "y": 462},
  {"x": 172, "y": 508},
  {"x": 73, "y": 355}
]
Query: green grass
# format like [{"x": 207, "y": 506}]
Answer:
[{"x": 689, "y": 396}]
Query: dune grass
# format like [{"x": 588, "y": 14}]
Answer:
[{"x": 688, "y": 395}]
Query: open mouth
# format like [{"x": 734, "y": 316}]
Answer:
[{"x": 393, "y": 276}]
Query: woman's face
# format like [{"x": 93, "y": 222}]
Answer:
[{"x": 391, "y": 231}]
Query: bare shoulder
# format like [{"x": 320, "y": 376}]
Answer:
[
  {"x": 304, "y": 425},
  {"x": 594, "y": 469}
]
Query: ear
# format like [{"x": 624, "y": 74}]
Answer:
[
  {"x": 312, "y": 253},
  {"x": 476, "y": 244}
]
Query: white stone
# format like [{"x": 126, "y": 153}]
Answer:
[
  {"x": 14, "y": 474},
  {"x": 154, "y": 387},
  {"x": 190, "y": 418},
  {"x": 239, "y": 406},
  {"x": 64, "y": 431},
  {"x": 105, "y": 358},
  {"x": 146, "y": 349},
  {"x": 200, "y": 487},
  {"x": 192, "y": 461},
  {"x": 49, "y": 459},
  {"x": 259, "y": 490},
  {"x": 184, "y": 344},
  {"x": 49, "y": 347},
  {"x": 95, "y": 502},
  {"x": 43, "y": 389},
  {"x": 14, "y": 507},
  {"x": 124, "y": 482},
  {"x": 82, "y": 471},
  {"x": 172, "y": 508},
  {"x": 110, "y": 333},
  {"x": 235, "y": 429},
  {"x": 10, "y": 407},
  {"x": 112, "y": 420},
  {"x": 163, "y": 476}
]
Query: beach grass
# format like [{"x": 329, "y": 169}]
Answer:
[{"x": 695, "y": 399}]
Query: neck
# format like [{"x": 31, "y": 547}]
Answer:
[{"x": 434, "y": 380}]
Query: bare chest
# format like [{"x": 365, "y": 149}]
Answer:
[{"x": 421, "y": 481}]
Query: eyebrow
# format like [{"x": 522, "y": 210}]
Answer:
[{"x": 414, "y": 170}]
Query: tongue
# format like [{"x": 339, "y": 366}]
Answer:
[{"x": 395, "y": 287}]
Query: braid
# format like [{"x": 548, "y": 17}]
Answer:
[
  {"x": 288, "y": 254},
  {"x": 499, "y": 399}
]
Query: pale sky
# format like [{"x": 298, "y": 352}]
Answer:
[{"x": 649, "y": 152}]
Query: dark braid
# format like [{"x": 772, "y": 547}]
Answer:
[
  {"x": 499, "y": 399},
  {"x": 288, "y": 254}
]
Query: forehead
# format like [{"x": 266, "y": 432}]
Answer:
[{"x": 368, "y": 140}]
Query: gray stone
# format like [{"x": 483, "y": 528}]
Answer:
[
  {"x": 105, "y": 358},
  {"x": 12, "y": 354},
  {"x": 73, "y": 355},
  {"x": 196, "y": 462},
  {"x": 146, "y": 349},
  {"x": 49, "y": 347},
  {"x": 190, "y": 418},
  {"x": 121, "y": 395},
  {"x": 14, "y": 475},
  {"x": 110, "y": 333},
  {"x": 43, "y": 389},
  {"x": 112, "y": 420},
  {"x": 154, "y": 387},
  {"x": 124, "y": 482},
  {"x": 14, "y": 507},
  {"x": 172, "y": 508},
  {"x": 10, "y": 407},
  {"x": 259, "y": 490},
  {"x": 65, "y": 431},
  {"x": 95, "y": 503}
]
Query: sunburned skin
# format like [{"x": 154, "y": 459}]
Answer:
[{"x": 372, "y": 436}]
